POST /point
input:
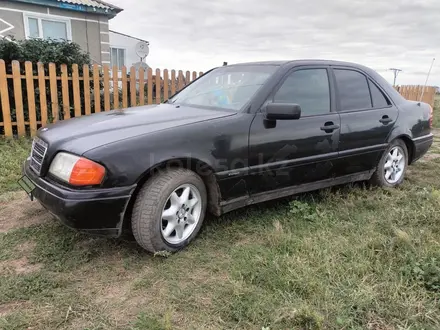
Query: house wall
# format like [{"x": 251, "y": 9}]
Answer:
[
  {"x": 129, "y": 44},
  {"x": 90, "y": 31}
]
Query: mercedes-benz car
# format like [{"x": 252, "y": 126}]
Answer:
[{"x": 238, "y": 135}]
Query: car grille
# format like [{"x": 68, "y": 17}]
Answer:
[{"x": 39, "y": 148}]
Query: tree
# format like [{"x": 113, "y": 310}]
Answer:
[{"x": 43, "y": 51}]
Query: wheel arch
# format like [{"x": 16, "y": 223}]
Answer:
[
  {"x": 410, "y": 146},
  {"x": 404, "y": 134},
  {"x": 204, "y": 170}
]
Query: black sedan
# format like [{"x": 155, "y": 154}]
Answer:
[{"x": 238, "y": 135}]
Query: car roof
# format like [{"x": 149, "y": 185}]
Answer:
[
  {"x": 397, "y": 98},
  {"x": 301, "y": 62}
]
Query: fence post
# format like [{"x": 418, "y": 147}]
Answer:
[
  {"x": 187, "y": 78},
  {"x": 53, "y": 91},
  {"x": 158, "y": 87},
  {"x": 141, "y": 86},
  {"x": 31, "y": 97},
  {"x": 173, "y": 82},
  {"x": 133, "y": 102},
  {"x": 96, "y": 88},
  {"x": 180, "y": 83},
  {"x": 76, "y": 92},
  {"x": 166, "y": 94},
  {"x": 42, "y": 89},
  {"x": 124, "y": 88},
  {"x": 65, "y": 91},
  {"x": 402, "y": 91},
  {"x": 18, "y": 98},
  {"x": 86, "y": 82},
  {"x": 194, "y": 76},
  {"x": 5, "y": 100},
  {"x": 150, "y": 86},
  {"x": 115, "y": 87},
  {"x": 106, "y": 69}
]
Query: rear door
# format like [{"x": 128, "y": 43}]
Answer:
[
  {"x": 285, "y": 153},
  {"x": 367, "y": 117}
]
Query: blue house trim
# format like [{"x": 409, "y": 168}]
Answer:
[{"x": 110, "y": 12}]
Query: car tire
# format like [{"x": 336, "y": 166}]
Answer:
[
  {"x": 391, "y": 168},
  {"x": 171, "y": 199}
]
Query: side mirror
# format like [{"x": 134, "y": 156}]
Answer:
[{"x": 283, "y": 111}]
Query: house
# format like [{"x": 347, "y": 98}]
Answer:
[
  {"x": 123, "y": 49},
  {"x": 85, "y": 22}
]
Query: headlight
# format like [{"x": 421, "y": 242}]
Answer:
[{"x": 77, "y": 171}]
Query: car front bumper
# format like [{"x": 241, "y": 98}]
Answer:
[{"x": 97, "y": 211}]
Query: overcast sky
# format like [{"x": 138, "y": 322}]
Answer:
[{"x": 201, "y": 34}]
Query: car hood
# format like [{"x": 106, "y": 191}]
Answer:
[{"x": 81, "y": 134}]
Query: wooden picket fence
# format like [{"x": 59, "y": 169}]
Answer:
[
  {"x": 77, "y": 91},
  {"x": 414, "y": 92},
  {"x": 35, "y": 95}
]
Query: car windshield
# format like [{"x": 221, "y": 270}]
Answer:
[{"x": 228, "y": 87}]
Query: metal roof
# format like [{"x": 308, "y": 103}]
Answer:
[
  {"x": 128, "y": 36},
  {"x": 92, "y": 3}
]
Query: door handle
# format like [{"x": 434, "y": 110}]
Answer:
[
  {"x": 329, "y": 127},
  {"x": 385, "y": 120}
]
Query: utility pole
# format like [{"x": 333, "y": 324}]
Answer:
[{"x": 396, "y": 73}]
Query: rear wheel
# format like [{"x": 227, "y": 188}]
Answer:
[
  {"x": 169, "y": 210},
  {"x": 392, "y": 166}
]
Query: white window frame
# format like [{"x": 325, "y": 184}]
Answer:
[
  {"x": 40, "y": 17},
  {"x": 125, "y": 55}
]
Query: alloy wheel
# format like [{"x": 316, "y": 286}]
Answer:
[
  {"x": 394, "y": 165},
  {"x": 181, "y": 214}
]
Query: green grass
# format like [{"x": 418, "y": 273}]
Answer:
[
  {"x": 436, "y": 122},
  {"x": 13, "y": 152},
  {"x": 350, "y": 257}
]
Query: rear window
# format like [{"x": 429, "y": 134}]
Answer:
[
  {"x": 353, "y": 90},
  {"x": 379, "y": 99}
]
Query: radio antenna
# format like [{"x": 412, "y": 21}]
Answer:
[{"x": 426, "y": 81}]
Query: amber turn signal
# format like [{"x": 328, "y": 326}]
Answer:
[
  {"x": 77, "y": 171},
  {"x": 86, "y": 173}
]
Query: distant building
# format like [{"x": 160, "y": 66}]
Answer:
[
  {"x": 85, "y": 22},
  {"x": 123, "y": 49}
]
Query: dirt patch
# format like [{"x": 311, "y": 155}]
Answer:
[
  {"x": 17, "y": 211},
  {"x": 26, "y": 247},
  {"x": 376, "y": 323},
  {"x": 114, "y": 293},
  {"x": 19, "y": 266},
  {"x": 11, "y": 307},
  {"x": 116, "y": 300},
  {"x": 431, "y": 156}
]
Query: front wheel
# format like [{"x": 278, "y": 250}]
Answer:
[
  {"x": 169, "y": 210},
  {"x": 392, "y": 166}
]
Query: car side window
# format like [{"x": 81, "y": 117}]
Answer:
[
  {"x": 309, "y": 88},
  {"x": 379, "y": 99},
  {"x": 353, "y": 90}
]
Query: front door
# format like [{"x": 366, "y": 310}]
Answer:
[
  {"x": 285, "y": 153},
  {"x": 367, "y": 117}
]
